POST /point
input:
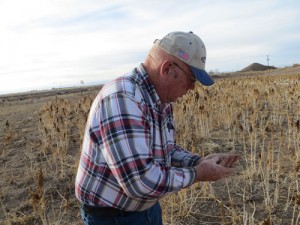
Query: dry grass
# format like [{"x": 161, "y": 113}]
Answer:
[{"x": 257, "y": 116}]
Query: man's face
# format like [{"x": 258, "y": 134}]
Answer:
[{"x": 182, "y": 80}]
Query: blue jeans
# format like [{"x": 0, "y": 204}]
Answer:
[{"x": 151, "y": 216}]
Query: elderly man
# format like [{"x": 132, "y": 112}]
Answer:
[{"x": 129, "y": 157}]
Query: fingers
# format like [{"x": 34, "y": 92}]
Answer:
[
  {"x": 227, "y": 164},
  {"x": 222, "y": 171},
  {"x": 225, "y": 160},
  {"x": 215, "y": 168},
  {"x": 228, "y": 160}
]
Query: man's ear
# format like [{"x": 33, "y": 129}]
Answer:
[{"x": 166, "y": 68}]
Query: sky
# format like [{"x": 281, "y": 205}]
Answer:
[{"x": 47, "y": 44}]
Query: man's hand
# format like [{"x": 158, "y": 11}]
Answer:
[{"x": 215, "y": 167}]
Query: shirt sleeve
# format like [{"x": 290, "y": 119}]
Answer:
[
  {"x": 126, "y": 144},
  {"x": 183, "y": 158}
]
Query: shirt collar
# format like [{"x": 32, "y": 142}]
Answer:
[{"x": 145, "y": 82}]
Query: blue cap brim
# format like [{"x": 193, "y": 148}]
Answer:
[{"x": 202, "y": 76}]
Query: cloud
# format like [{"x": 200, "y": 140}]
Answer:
[{"x": 94, "y": 40}]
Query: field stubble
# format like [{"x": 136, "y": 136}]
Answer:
[{"x": 257, "y": 116}]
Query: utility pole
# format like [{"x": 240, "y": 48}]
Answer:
[{"x": 268, "y": 59}]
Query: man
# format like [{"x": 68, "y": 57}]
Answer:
[{"x": 129, "y": 157}]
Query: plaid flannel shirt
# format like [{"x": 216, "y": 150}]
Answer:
[{"x": 129, "y": 152}]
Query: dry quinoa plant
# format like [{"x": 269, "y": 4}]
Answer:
[
  {"x": 61, "y": 126},
  {"x": 257, "y": 117},
  {"x": 37, "y": 198}
]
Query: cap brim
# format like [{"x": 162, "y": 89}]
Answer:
[{"x": 202, "y": 76}]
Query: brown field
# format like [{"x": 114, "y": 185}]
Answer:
[{"x": 256, "y": 114}]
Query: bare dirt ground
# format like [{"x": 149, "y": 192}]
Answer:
[{"x": 40, "y": 139}]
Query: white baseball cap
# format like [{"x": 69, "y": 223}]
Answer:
[{"x": 190, "y": 49}]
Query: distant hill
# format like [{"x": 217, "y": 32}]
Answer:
[{"x": 257, "y": 67}]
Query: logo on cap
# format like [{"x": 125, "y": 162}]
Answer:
[{"x": 182, "y": 54}]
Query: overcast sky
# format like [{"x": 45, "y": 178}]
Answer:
[{"x": 54, "y": 43}]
